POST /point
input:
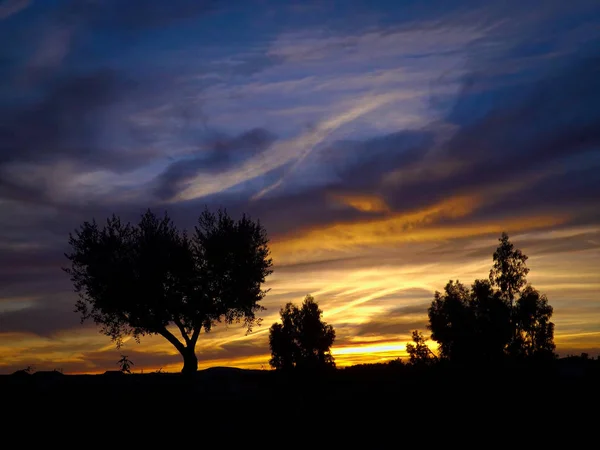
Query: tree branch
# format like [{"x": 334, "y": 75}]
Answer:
[
  {"x": 182, "y": 330},
  {"x": 195, "y": 335},
  {"x": 172, "y": 339}
]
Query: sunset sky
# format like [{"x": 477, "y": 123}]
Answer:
[{"x": 385, "y": 145}]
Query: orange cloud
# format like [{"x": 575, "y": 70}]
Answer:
[
  {"x": 363, "y": 203},
  {"x": 412, "y": 226}
]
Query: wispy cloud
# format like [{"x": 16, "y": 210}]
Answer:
[{"x": 293, "y": 150}]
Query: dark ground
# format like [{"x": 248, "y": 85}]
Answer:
[{"x": 519, "y": 401}]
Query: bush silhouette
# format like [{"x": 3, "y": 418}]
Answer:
[
  {"x": 302, "y": 340},
  {"x": 125, "y": 364},
  {"x": 150, "y": 278}
]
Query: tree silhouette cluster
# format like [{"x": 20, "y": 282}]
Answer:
[
  {"x": 302, "y": 340},
  {"x": 150, "y": 278},
  {"x": 492, "y": 319}
]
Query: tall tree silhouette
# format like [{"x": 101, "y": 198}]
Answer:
[
  {"x": 150, "y": 278},
  {"x": 302, "y": 339},
  {"x": 509, "y": 272}
]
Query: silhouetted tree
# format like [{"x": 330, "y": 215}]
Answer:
[
  {"x": 125, "y": 364},
  {"x": 419, "y": 352},
  {"x": 302, "y": 340},
  {"x": 150, "y": 278},
  {"x": 485, "y": 324},
  {"x": 509, "y": 272},
  {"x": 452, "y": 322},
  {"x": 535, "y": 332}
]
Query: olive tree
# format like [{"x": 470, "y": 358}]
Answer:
[{"x": 152, "y": 279}]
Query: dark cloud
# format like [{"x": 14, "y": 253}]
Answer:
[
  {"x": 136, "y": 15},
  {"x": 390, "y": 327},
  {"x": 64, "y": 123},
  {"x": 542, "y": 126},
  {"x": 400, "y": 320},
  {"x": 219, "y": 153},
  {"x": 88, "y": 121},
  {"x": 418, "y": 309},
  {"x": 47, "y": 317},
  {"x": 551, "y": 244}
]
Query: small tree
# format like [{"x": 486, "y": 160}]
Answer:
[
  {"x": 150, "y": 278},
  {"x": 419, "y": 352},
  {"x": 302, "y": 340},
  {"x": 125, "y": 364}
]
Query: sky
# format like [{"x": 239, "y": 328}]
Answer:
[{"x": 385, "y": 145}]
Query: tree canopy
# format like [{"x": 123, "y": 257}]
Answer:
[
  {"x": 302, "y": 340},
  {"x": 151, "y": 278},
  {"x": 470, "y": 323}
]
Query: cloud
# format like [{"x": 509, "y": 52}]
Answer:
[
  {"x": 9, "y": 8},
  {"x": 46, "y": 318},
  {"x": 90, "y": 141},
  {"x": 218, "y": 155},
  {"x": 61, "y": 131},
  {"x": 363, "y": 203},
  {"x": 398, "y": 321},
  {"x": 143, "y": 14},
  {"x": 292, "y": 151},
  {"x": 65, "y": 122},
  {"x": 51, "y": 52},
  {"x": 394, "y": 327}
]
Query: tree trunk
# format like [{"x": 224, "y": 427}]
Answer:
[{"x": 190, "y": 361}]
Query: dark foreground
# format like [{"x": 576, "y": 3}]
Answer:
[{"x": 560, "y": 396}]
